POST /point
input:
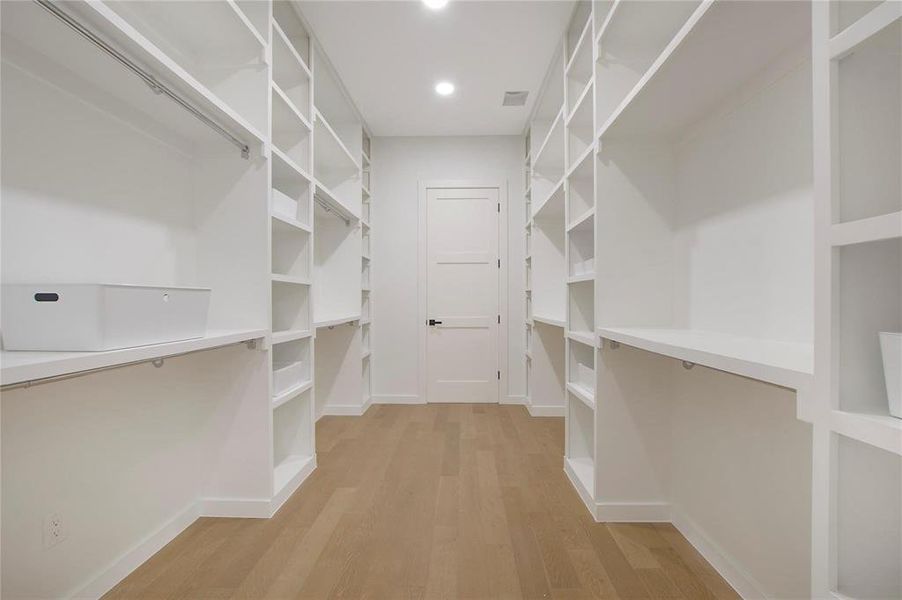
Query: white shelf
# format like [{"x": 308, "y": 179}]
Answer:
[
  {"x": 332, "y": 322},
  {"x": 549, "y": 321},
  {"x": 882, "y": 431},
  {"x": 720, "y": 47},
  {"x": 582, "y": 221},
  {"x": 785, "y": 364},
  {"x": 583, "y": 337},
  {"x": 582, "y": 46},
  {"x": 873, "y": 229},
  {"x": 581, "y": 278},
  {"x": 288, "y": 469},
  {"x": 19, "y": 367},
  {"x": 584, "y": 155},
  {"x": 552, "y": 206},
  {"x": 290, "y": 335},
  {"x": 290, "y": 223},
  {"x": 286, "y": 171},
  {"x": 291, "y": 393},
  {"x": 585, "y": 395},
  {"x": 864, "y": 28},
  {"x": 277, "y": 278},
  {"x": 335, "y": 152},
  {"x": 548, "y": 142},
  {"x": 286, "y": 112},
  {"x": 283, "y": 50}
]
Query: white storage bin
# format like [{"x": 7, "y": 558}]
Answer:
[
  {"x": 94, "y": 317},
  {"x": 891, "y": 348},
  {"x": 286, "y": 376}
]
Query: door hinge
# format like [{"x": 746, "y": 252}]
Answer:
[
  {"x": 499, "y": 263},
  {"x": 499, "y": 375},
  {"x": 499, "y": 319},
  {"x": 499, "y": 207}
]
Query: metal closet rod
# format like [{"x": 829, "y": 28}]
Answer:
[
  {"x": 149, "y": 79},
  {"x": 328, "y": 208}
]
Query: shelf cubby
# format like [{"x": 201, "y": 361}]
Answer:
[
  {"x": 257, "y": 14},
  {"x": 335, "y": 168},
  {"x": 336, "y": 268},
  {"x": 581, "y": 191},
  {"x": 580, "y": 129},
  {"x": 293, "y": 449},
  {"x": 333, "y": 103},
  {"x": 291, "y": 368},
  {"x": 624, "y": 57},
  {"x": 580, "y": 451},
  {"x": 290, "y": 251},
  {"x": 869, "y": 122},
  {"x": 289, "y": 27},
  {"x": 290, "y": 131},
  {"x": 290, "y": 190},
  {"x": 582, "y": 306},
  {"x": 212, "y": 41},
  {"x": 580, "y": 69},
  {"x": 868, "y": 536},
  {"x": 581, "y": 255},
  {"x": 289, "y": 73},
  {"x": 869, "y": 301},
  {"x": 581, "y": 367},
  {"x": 290, "y": 308},
  {"x": 549, "y": 293}
]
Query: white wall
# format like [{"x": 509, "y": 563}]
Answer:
[{"x": 398, "y": 165}]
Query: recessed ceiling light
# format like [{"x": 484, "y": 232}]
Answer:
[
  {"x": 444, "y": 88},
  {"x": 436, "y": 4}
]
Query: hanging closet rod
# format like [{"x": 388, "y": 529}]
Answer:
[
  {"x": 329, "y": 209},
  {"x": 149, "y": 79},
  {"x": 157, "y": 362}
]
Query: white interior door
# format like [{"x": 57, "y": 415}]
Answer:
[{"x": 462, "y": 294}]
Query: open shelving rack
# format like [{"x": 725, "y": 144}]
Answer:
[
  {"x": 296, "y": 194},
  {"x": 644, "y": 95}
]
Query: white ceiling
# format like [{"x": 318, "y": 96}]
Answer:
[{"x": 390, "y": 53}]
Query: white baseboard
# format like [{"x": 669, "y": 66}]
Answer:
[
  {"x": 740, "y": 580},
  {"x": 241, "y": 508},
  {"x": 515, "y": 399},
  {"x": 396, "y": 399},
  {"x": 546, "y": 411},
  {"x": 103, "y": 582},
  {"x": 633, "y": 512},
  {"x": 344, "y": 410},
  {"x": 366, "y": 404}
]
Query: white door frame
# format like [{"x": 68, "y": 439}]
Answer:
[{"x": 422, "y": 328}]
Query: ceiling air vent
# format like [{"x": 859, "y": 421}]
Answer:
[{"x": 514, "y": 98}]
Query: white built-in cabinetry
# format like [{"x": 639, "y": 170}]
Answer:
[
  {"x": 675, "y": 206},
  {"x": 857, "y": 473},
  {"x": 259, "y": 191}
]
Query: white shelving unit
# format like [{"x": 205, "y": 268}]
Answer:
[
  {"x": 857, "y": 520},
  {"x": 293, "y": 237},
  {"x": 259, "y": 200},
  {"x": 683, "y": 145},
  {"x": 546, "y": 190}
]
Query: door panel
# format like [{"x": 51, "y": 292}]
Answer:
[{"x": 462, "y": 295}]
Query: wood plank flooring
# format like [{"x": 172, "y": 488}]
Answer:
[{"x": 437, "y": 501}]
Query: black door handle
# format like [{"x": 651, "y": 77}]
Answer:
[{"x": 434, "y": 322}]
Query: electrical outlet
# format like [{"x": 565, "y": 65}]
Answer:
[{"x": 54, "y": 530}]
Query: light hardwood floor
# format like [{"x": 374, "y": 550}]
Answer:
[{"x": 438, "y": 501}]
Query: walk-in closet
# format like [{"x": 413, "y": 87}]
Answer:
[{"x": 451, "y": 299}]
